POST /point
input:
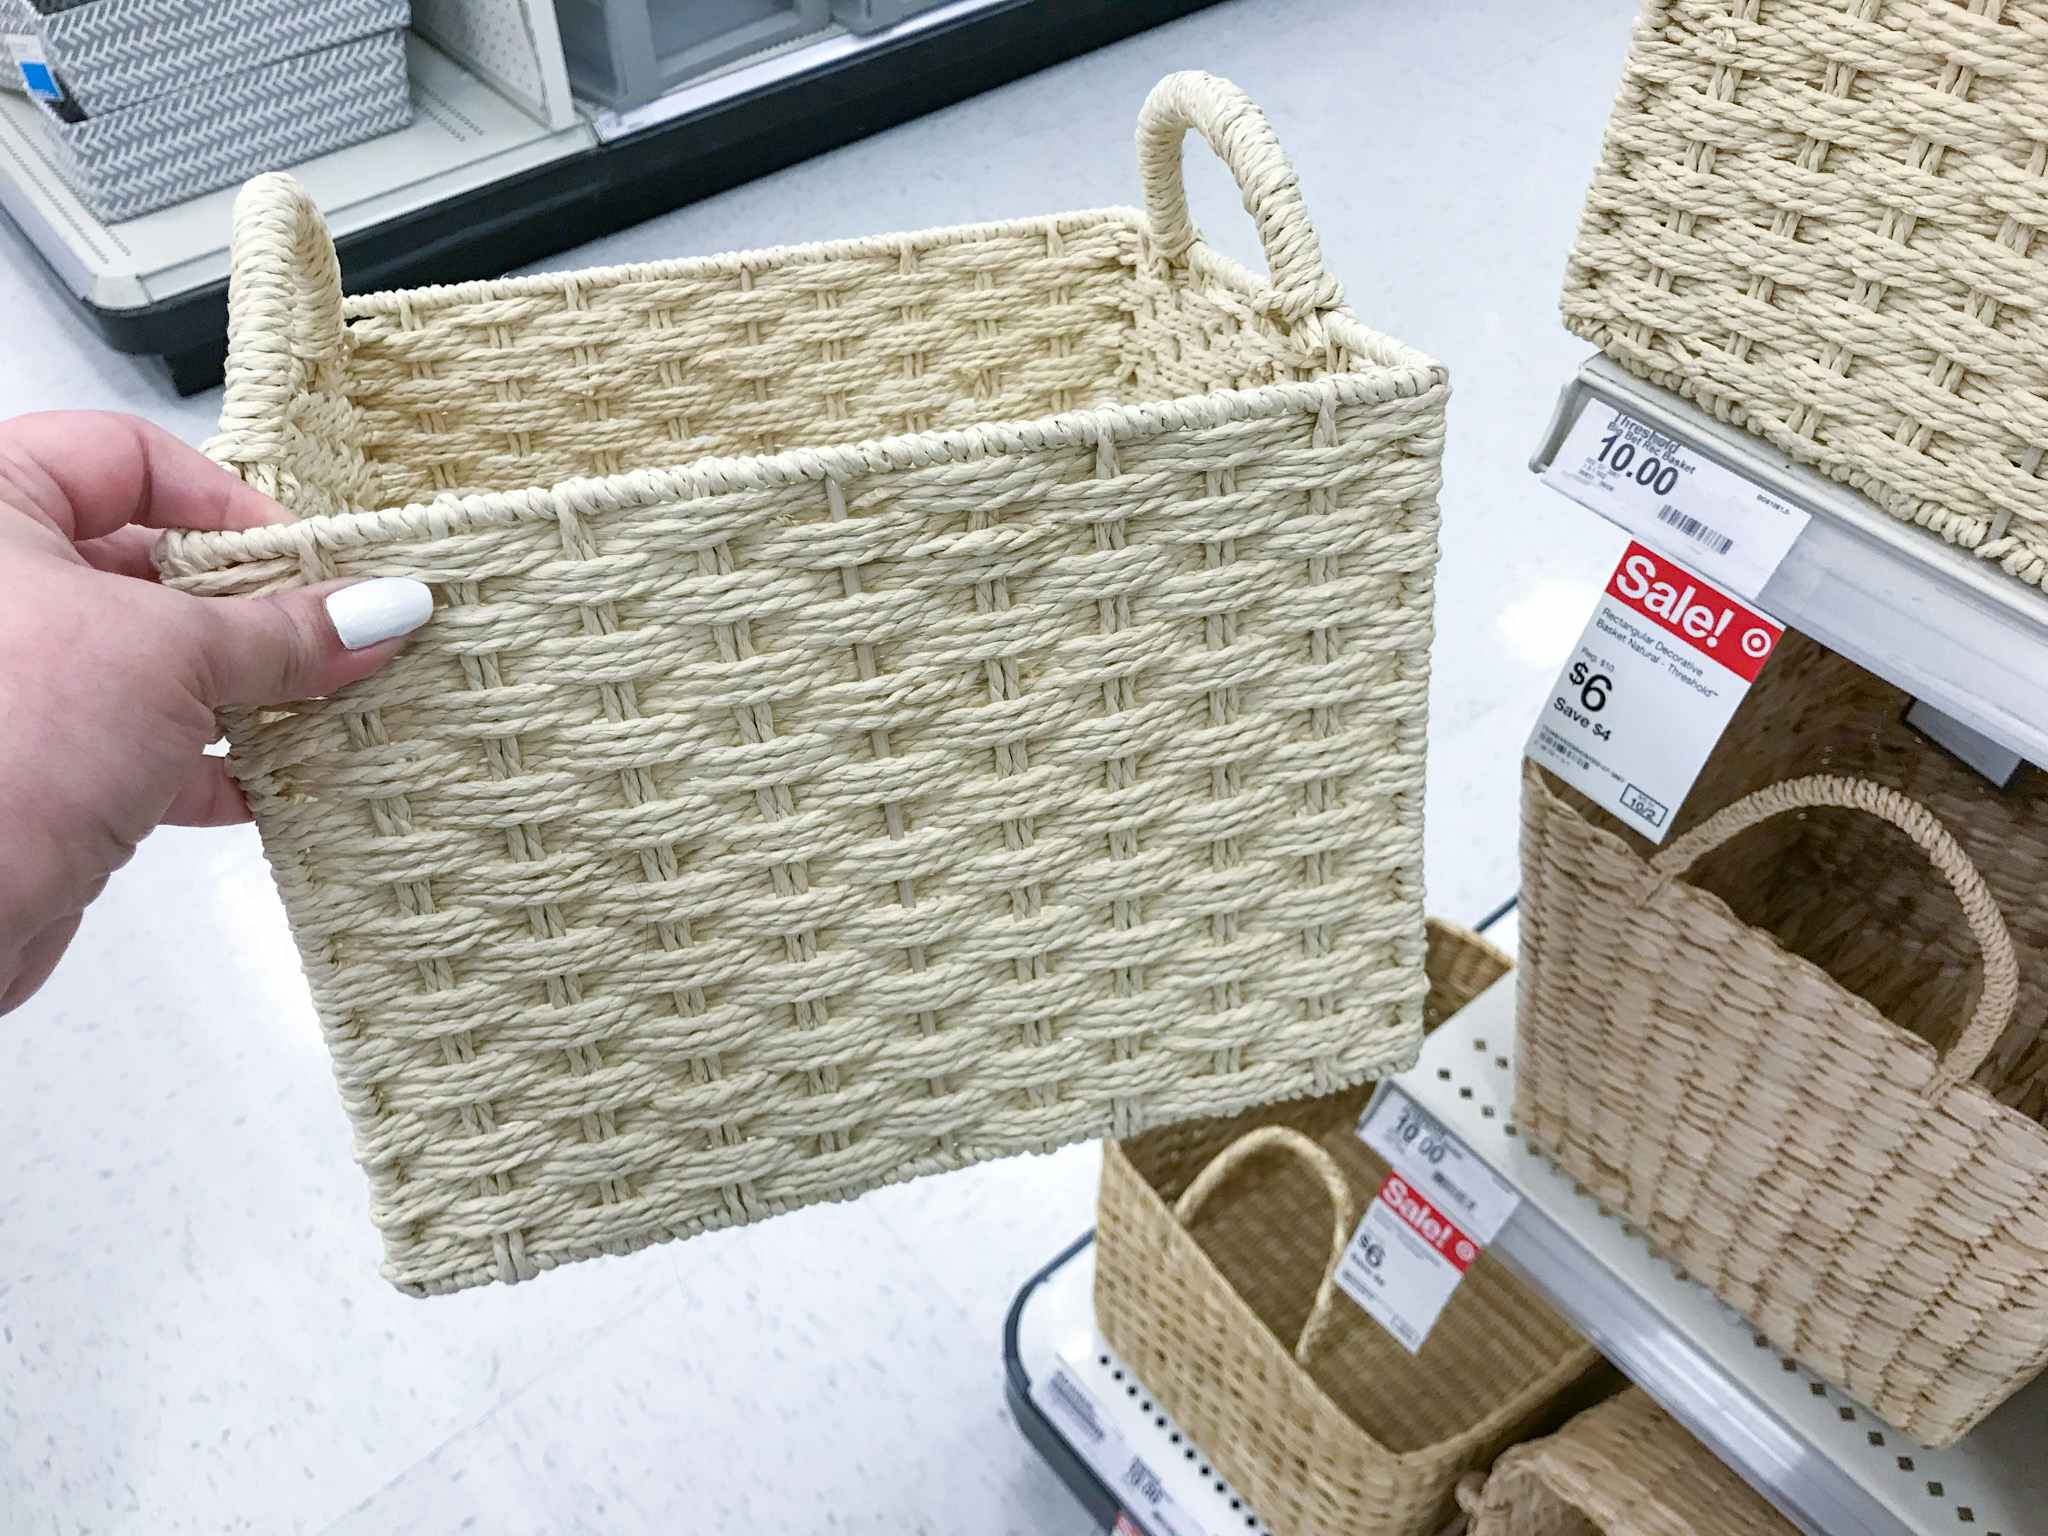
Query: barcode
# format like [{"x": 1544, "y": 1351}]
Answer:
[
  {"x": 1078, "y": 1407},
  {"x": 1140, "y": 1477},
  {"x": 1695, "y": 530}
]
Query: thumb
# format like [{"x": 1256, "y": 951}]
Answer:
[{"x": 305, "y": 643}]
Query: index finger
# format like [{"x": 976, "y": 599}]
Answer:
[{"x": 87, "y": 473}]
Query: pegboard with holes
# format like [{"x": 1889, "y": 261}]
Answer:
[{"x": 1831, "y": 1466}]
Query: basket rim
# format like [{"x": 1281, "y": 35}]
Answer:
[
  {"x": 188, "y": 552},
  {"x": 1534, "y": 779},
  {"x": 1567, "y": 1368}
]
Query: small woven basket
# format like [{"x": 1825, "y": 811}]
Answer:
[
  {"x": 1812, "y": 1069},
  {"x": 1217, "y": 1245},
  {"x": 838, "y": 807},
  {"x": 1822, "y": 222},
  {"x": 1624, "y": 1468}
]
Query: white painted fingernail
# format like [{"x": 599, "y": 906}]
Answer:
[{"x": 380, "y": 609}]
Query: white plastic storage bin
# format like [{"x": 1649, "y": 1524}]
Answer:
[{"x": 623, "y": 53}]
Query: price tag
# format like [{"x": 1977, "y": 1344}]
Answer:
[
  {"x": 1667, "y": 494},
  {"x": 1093, "y": 1433},
  {"x": 1436, "y": 1210},
  {"x": 25, "y": 51},
  {"x": 1649, "y": 689}
]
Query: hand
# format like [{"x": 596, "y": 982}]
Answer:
[{"x": 108, "y": 682}]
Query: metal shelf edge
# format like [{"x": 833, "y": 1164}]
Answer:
[{"x": 1946, "y": 625}]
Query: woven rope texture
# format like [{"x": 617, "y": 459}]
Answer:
[
  {"x": 1821, "y": 219},
  {"x": 758, "y": 831},
  {"x": 1624, "y": 1468},
  {"x": 1812, "y": 1070},
  {"x": 1225, "y": 1311}
]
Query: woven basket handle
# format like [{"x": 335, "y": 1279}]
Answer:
[
  {"x": 2001, "y": 969},
  {"x": 1279, "y": 1138},
  {"x": 285, "y": 325},
  {"x": 1242, "y": 138}
]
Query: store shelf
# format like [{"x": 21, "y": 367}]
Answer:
[
  {"x": 482, "y": 183},
  {"x": 1826, "y": 1462},
  {"x": 464, "y": 134},
  {"x": 1097, "y": 1426},
  {"x": 1948, "y": 626}
]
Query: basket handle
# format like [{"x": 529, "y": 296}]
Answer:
[
  {"x": 285, "y": 328},
  {"x": 1242, "y": 138},
  {"x": 1280, "y": 1138},
  {"x": 2000, "y": 991}
]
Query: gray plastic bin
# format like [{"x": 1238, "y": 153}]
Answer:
[
  {"x": 623, "y": 53},
  {"x": 873, "y": 15}
]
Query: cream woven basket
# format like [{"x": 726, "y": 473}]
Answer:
[
  {"x": 1624, "y": 1468},
  {"x": 1801, "y": 1047},
  {"x": 1217, "y": 1244},
  {"x": 1821, "y": 220},
  {"x": 1001, "y": 726}
]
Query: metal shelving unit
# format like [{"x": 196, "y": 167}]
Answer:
[
  {"x": 500, "y": 169},
  {"x": 1826, "y": 1462},
  {"x": 1946, "y": 625}
]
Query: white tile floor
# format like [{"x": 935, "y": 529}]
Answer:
[{"x": 192, "y": 1333}]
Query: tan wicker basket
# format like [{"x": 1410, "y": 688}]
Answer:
[
  {"x": 760, "y": 830},
  {"x": 1768, "y": 1064},
  {"x": 1821, "y": 221},
  {"x": 1624, "y": 1468},
  {"x": 1216, "y": 1248}
]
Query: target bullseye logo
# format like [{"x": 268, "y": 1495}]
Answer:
[{"x": 1756, "y": 643}]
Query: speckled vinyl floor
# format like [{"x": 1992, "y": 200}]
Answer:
[{"x": 193, "y": 1336}]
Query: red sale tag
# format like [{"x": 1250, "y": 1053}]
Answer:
[
  {"x": 1655, "y": 679},
  {"x": 1711, "y": 622},
  {"x": 1431, "y": 1224}
]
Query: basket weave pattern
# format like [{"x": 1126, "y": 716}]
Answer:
[
  {"x": 1624, "y": 1468},
  {"x": 1214, "y": 1283},
  {"x": 755, "y": 832},
  {"x": 1822, "y": 222},
  {"x": 1795, "y": 1069}
]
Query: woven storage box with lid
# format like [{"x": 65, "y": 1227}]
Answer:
[
  {"x": 1004, "y": 728},
  {"x": 109, "y": 54},
  {"x": 1822, "y": 221},
  {"x": 1624, "y": 1468},
  {"x": 1801, "y": 1046},
  {"x": 1216, "y": 1251},
  {"x": 135, "y": 159}
]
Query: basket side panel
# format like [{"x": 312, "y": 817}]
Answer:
[
  {"x": 1770, "y": 1131},
  {"x": 1823, "y": 225},
  {"x": 641, "y": 368},
  {"x": 704, "y": 859}
]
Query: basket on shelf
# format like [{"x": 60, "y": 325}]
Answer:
[
  {"x": 166, "y": 99},
  {"x": 1622, "y": 1468},
  {"x": 1822, "y": 222},
  {"x": 891, "y": 704},
  {"x": 1803, "y": 1051},
  {"x": 1217, "y": 1245}
]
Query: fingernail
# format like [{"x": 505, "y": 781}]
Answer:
[{"x": 380, "y": 609}]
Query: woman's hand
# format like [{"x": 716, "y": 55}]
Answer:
[{"x": 108, "y": 682}]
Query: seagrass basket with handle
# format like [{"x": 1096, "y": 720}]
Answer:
[
  {"x": 1217, "y": 1248},
  {"x": 1823, "y": 222},
  {"x": 889, "y": 704},
  {"x": 1622, "y": 1468},
  {"x": 1801, "y": 1046}
]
